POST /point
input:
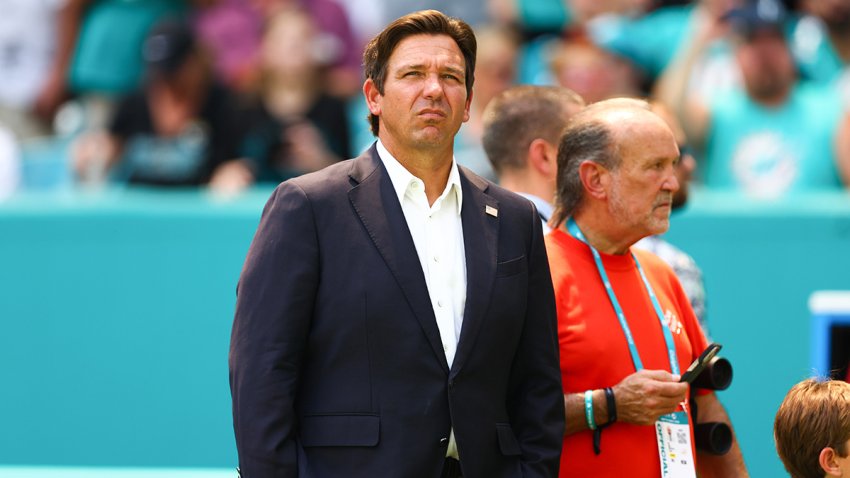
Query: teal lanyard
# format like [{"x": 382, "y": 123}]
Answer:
[{"x": 572, "y": 227}]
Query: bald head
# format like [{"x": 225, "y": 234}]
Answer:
[
  {"x": 630, "y": 150},
  {"x": 620, "y": 115}
]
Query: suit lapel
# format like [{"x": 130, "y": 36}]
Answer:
[
  {"x": 375, "y": 201},
  {"x": 480, "y": 241}
]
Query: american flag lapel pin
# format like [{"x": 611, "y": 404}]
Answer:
[{"x": 491, "y": 211}]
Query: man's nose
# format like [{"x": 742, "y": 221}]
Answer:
[
  {"x": 671, "y": 183},
  {"x": 433, "y": 88}
]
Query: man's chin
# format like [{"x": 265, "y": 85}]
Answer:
[
  {"x": 660, "y": 225},
  {"x": 429, "y": 134},
  {"x": 434, "y": 137}
]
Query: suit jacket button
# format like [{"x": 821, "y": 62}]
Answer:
[{"x": 444, "y": 441}]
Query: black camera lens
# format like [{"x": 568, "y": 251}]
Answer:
[
  {"x": 716, "y": 376},
  {"x": 714, "y": 438}
]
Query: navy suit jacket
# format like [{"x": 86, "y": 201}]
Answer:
[{"x": 336, "y": 363}]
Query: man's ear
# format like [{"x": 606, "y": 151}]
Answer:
[
  {"x": 594, "y": 178},
  {"x": 828, "y": 462},
  {"x": 373, "y": 97},
  {"x": 543, "y": 158},
  {"x": 467, "y": 106}
]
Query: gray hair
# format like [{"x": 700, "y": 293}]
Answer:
[{"x": 582, "y": 141}]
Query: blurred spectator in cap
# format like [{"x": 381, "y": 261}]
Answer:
[
  {"x": 774, "y": 135},
  {"x": 179, "y": 129},
  {"x": 295, "y": 125},
  {"x": 757, "y": 16}
]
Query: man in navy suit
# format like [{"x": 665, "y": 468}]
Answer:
[{"x": 395, "y": 314}]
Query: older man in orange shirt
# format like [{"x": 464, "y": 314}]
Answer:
[{"x": 626, "y": 328}]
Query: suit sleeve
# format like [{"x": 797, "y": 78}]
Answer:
[
  {"x": 274, "y": 307},
  {"x": 537, "y": 396}
]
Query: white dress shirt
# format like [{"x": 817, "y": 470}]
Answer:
[{"x": 437, "y": 232}]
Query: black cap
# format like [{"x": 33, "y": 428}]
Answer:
[
  {"x": 168, "y": 45},
  {"x": 757, "y": 15}
]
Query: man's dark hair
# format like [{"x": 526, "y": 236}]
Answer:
[
  {"x": 518, "y": 116},
  {"x": 430, "y": 22}
]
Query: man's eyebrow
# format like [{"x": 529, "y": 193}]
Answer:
[
  {"x": 456, "y": 71},
  {"x": 421, "y": 66}
]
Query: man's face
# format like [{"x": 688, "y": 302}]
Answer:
[
  {"x": 424, "y": 100},
  {"x": 687, "y": 163},
  {"x": 642, "y": 187},
  {"x": 766, "y": 64}
]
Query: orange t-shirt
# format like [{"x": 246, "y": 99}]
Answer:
[{"x": 595, "y": 354}]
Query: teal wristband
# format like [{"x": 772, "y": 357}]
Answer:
[{"x": 588, "y": 409}]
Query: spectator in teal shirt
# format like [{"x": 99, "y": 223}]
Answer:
[{"x": 774, "y": 135}]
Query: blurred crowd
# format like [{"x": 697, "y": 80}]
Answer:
[{"x": 230, "y": 93}]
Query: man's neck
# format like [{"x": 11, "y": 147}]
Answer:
[
  {"x": 524, "y": 185},
  {"x": 600, "y": 235},
  {"x": 431, "y": 166}
]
